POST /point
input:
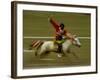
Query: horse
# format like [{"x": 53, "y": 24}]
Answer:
[{"x": 49, "y": 46}]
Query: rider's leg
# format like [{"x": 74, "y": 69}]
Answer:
[
  {"x": 59, "y": 43},
  {"x": 59, "y": 48}
]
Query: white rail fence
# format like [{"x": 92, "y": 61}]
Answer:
[{"x": 31, "y": 37}]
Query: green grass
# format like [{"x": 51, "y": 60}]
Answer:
[{"x": 36, "y": 24}]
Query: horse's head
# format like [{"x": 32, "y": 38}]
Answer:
[{"x": 76, "y": 41}]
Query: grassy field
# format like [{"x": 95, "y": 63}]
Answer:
[{"x": 36, "y": 24}]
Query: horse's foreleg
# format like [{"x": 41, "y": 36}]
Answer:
[
  {"x": 69, "y": 50},
  {"x": 76, "y": 56},
  {"x": 73, "y": 53},
  {"x": 66, "y": 55}
]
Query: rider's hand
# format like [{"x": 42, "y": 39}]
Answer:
[{"x": 51, "y": 17}]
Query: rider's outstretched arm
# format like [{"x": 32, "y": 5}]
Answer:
[{"x": 55, "y": 24}]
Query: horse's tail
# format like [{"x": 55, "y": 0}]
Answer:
[{"x": 36, "y": 44}]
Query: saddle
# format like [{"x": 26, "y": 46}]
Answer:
[{"x": 58, "y": 45}]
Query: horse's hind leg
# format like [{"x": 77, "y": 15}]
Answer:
[
  {"x": 36, "y": 52},
  {"x": 41, "y": 52}
]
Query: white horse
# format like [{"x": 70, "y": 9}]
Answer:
[{"x": 49, "y": 46}]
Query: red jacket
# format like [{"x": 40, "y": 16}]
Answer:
[
  {"x": 58, "y": 31},
  {"x": 57, "y": 27}
]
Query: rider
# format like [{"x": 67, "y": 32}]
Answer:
[{"x": 61, "y": 33}]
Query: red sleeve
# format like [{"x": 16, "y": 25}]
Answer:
[{"x": 55, "y": 25}]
